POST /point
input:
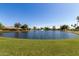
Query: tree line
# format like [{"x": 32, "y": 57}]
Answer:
[{"x": 26, "y": 27}]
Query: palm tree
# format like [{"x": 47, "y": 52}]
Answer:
[
  {"x": 25, "y": 26},
  {"x": 75, "y": 25},
  {"x": 77, "y": 20}
]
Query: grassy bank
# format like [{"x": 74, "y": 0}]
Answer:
[
  {"x": 19, "y": 47},
  {"x": 75, "y": 32}
]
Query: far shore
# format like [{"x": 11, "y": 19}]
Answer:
[
  {"x": 14, "y": 31},
  {"x": 3, "y": 31}
]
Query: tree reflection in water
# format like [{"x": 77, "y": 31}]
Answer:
[
  {"x": 1, "y": 34},
  {"x": 17, "y": 34}
]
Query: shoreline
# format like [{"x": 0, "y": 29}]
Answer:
[
  {"x": 14, "y": 31},
  {"x": 75, "y": 32},
  {"x": 2, "y": 31}
]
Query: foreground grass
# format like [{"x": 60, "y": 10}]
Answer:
[{"x": 26, "y": 47}]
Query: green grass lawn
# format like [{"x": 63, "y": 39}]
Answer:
[{"x": 26, "y": 47}]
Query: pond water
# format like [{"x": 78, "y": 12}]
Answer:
[{"x": 37, "y": 34}]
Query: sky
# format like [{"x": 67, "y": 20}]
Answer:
[{"x": 39, "y": 14}]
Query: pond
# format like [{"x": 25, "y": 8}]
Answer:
[{"x": 37, "y": 34}]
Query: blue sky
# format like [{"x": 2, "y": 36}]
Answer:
[{"x": 39, "y": 15}]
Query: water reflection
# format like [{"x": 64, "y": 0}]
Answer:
[
  {"x": 40, "y": 35},
  {"x": 24, "y": 35},
  {"x": 17, "y": 34},
  {"x": 1, "y": 34}
]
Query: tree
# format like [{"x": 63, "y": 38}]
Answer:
[
  {"x": 29, "y": 28},
  {"x": 77, "y": 28},
  {"x": 53, "y": 28},
  {"x": 34, "y": 28},
  {"x": 75, "y": 25},
  {"x": 1, "y": 26},
  {"x": 46, "y": 28},
  {"x": 17, "y": 25},
  {"x": 25, "y": 26},
  {"x": 41, "y": 28},
  {"x": 64, "y": 27},
  {"x": 77, "y": 20}
]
